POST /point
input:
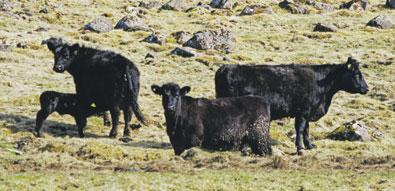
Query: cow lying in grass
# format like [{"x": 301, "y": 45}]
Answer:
[
  {"x": 220, "y": 124},
  {"x": 51, "y": 101},
  {"x": 304, "y": 92}
]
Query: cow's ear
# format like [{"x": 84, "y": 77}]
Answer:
[
  {"x": 156, "y": 89},
  {"x": 184, "y": 90}
]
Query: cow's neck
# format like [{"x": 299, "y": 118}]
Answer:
[{"x": 330, "y": 85}]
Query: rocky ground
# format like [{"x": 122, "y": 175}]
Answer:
[{"x": 186, "y": 42}]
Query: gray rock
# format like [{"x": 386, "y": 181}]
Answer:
[
  {"x": 155, "y": 38},
  {"x": 175, "y": 5},
  {"x": 390, "y": 4},
  {"x": 219, "y": 40},
  {"x": 135, "y": 11},
  {"x": 5, "y": 47},
  {"x": 320, "y": 27},
  {"x": 132, "y": 23},
  {"x": 44, "y": 10},
  {"x": 184, "y": 52},
  {"x": 149, "y": 56},
  {"x": 293, "y": 8},
  {"x": 6, "y": 5},
  {"x": 149, "y": 4},
  {"x": 100, "y": 24},
  {"x": 190, "y": 154},
  {"x": 320, "y": 6},
  {"x": 221, "y": 4},
  {"x": 381, "y": 21},
  {"x": 256, "y": 9},
  {"x": 355, "y": 5},
  {"x": 350, "y": 131},
  {"x": 181, "y": 36}
]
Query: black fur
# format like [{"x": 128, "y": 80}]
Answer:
[
  {"x": 105, "y": 78},
  {"x": 301, "y": 91},
  {"x": 51, "y": 101},
  {"x": 220, "y": 124}
]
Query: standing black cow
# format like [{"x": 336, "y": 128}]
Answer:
[
  {"x": 107, "y": 79},
  {"x": 220, "y": 124},
  {"x": 301, "y": 91}
]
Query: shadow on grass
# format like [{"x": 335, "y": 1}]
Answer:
[
  {"x": 149, "y": 144},
  {"x": 20, "y": 123}
]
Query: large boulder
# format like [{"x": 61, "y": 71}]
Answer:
[
  {"x": 320, "y": 27},
  {"x": 221, "y": 4},
  {"x": 6, "y": 5},
  {"x": 390, "y": 4},
  {"x": 150, "y": 4},
  {"x": 132, "y": 23},
  {"x": 99, "y": 25},
  {"x": 320, "y": 6},
  {"x": 219, "y": 40},
  {"x": 256, "y": 9},
  {"x": 293, "y": 8},
  {"x": 181, "y": 36},
  {"x": 351, "y": 131},
  {"x": 355, "y": 5},
  {"x": 381, "y": 21},
  {"x": 176, "y": 5}
]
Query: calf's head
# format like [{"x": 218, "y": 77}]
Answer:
[
  {"x": 352, "y": 79},
  {"x": 64, "y": 53},
  {"x": 171, "y": 96}
]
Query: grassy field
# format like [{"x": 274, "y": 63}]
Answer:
[{"x": 61, "y": 160}]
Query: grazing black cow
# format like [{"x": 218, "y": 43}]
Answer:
[
  {"x": 301, "y": 91},
  {"x": 220, "y": 124},
  {"x": 107, "y": 79},
  {"x": 51, "y": 101}
]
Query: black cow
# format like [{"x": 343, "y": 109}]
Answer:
[
  {"x": 51, "y": 101},
  {"x": 220, "y": 124},
  {"x": 301, "y": 91},
  {"x": 107, "y": 79}
]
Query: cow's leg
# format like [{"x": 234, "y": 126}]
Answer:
[
  {"x": 306, "y": 139},
  {"x": 106, "y": 119},
  {"x": 127, "y": 115},
  {"x": 80, "y": 120},
  {"x": 115, "y": 120},
  {"x": 300, "y": 123},
  {"x": 259, "y": 137},
  {"x": 40, "y": 118}
]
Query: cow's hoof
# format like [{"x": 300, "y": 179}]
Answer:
[
  {"x": 113, "y": 135},
  {"x": 81, "y": 135},
  {"x": 300, "y": 152},
  {"x": 126, "y": 134},
  {"x": 311, "y": 146},
  {"x": 38, "y": 134}
]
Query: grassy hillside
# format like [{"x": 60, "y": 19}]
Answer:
[{"x": 61, "y": 160}]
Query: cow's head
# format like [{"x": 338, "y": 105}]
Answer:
[
  {"x": 64, "y": 53},
  {"x": 352, "y": 79},
  {"x": 171, "y": 95}
]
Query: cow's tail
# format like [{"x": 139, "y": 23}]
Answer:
[
  {"x": 222, "y": 86},
  {"x": 133, "y": 79}
]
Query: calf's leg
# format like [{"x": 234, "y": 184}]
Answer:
[
  {"x": 306, "y": 139},
  {"x": 106, "y": 119},
  {"x": 115, "y": 111},
  {"x": 40, "y": 118},
  {"x": 80, "y": 120}
]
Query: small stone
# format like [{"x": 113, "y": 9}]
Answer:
[
  {"x": 181, "y": 36},
  {"x": 319, "y": 27},
  {"x": 351, "y": 131},
  {"x": 175, "y": 5},
  {"x": 132, "y": 23},
  {"x": 155, "y": 38},
  {"x": 99, "y": 25},
  {"x": 184, "y": 52},
  {"x": 251, "y": 10},
  {"x": 149, "y": 4},
  {"x": 135, "y": 11},
  {"x": 381, "y": 21},
  {"x": 41, "y": 29},
  {"x": 149, "y": 55},
  {"x": 221, "y": 4},
  {"x": 44, "y": 10},
  {"x": 5, "y": 48},
  {"x": 21, "y": 45}
]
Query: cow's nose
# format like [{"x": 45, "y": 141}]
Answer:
[
  {"x": 58, "y": 68},
  {"x": 171, "y": 107}
]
